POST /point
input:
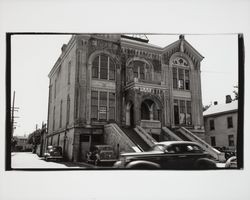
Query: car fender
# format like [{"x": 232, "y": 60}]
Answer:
[
  {"x": 143, "y": 164},
  {"x": 205, "y": 163}
]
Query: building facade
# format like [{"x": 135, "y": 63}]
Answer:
[
  {"x": 220, "y": 122},
  {"x": 22, "y": 143},
  {"x": 112, "y": 78}
]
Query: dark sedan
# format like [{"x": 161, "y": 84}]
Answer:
[
  {"x": 53, "y": 153},
  {"x": 168, "y": 155}
]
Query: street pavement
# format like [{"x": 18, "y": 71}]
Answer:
[{"x": 28, "y": 160}]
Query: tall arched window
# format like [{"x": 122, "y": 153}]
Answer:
[
  {"x": 181, "y": 75},
  {"x": 103, "y": 67},
  {"x": 68, "y": 110}
]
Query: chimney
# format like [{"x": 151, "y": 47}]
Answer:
[
  {"x": 215, "y": 103},
  {"x": 181, "y": 37},
  {"x": 228, "y": 99},
  {"x": 63, "y": 47}
]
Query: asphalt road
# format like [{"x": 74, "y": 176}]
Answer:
[{"x": 28, "y": 160}]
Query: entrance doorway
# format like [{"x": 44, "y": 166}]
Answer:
[
  {"x": 132, "y": 115},
  {"x": 145, "y": 112},
  {"x": 85, "y": 141},
  {"x": 176, "y": 114},
  {"x": 150, "y": 110}
]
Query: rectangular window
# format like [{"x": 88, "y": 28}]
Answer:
[
  {"x": 181, "y": 78},
  {"x": 189, "y": 116},
  {"x": 142, "y": 74},
  {"x": 111, "y": 70},
  {"x": 68, "y": 110},
  {"x": 104, "y": 67},
  {"x": 182, "y": 112},
  {"x": 187, "y": 84},
  {"x": 111, "y": 106},
  {"x": 54, "y": 110},
  {"x": 94, "y": 105},
  {"x": 77, "y": 96},
  {"x": 78, "y": 66},
  {"x": 60, "y": 122},
  {"x": 229, "y": 122},
  {"x": 103, "y": 106},
  {"x": 84, "y": 138},
  {"x": 175, "y": 78},
  {"x": 55, "y": 88},
  {"x": 211, "y": 124},
  {"x": 182, "y": 106},
  {"x": 213, "y": 141},
  {"x": 231, "y": 140},
  {"x": 95, "y": 67}
]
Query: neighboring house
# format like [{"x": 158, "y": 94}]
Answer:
[
  {"x": 119, "y": 79},
  {"x": 21, "y": 143},
  {"x": 220, "y": 122},
  {"x": 37, "y": 140}
]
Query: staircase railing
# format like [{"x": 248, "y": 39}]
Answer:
[
  {"x": 170, "y": 134},
  {"x": 214, "y": 152},
  {"x": 126, "y": 138},
  {"x": 145, "y": 136}
]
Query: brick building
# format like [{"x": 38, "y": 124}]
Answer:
[{"x": 110, "y": 88}]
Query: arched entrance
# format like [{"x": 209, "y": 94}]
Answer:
[
  {"x": 150, "y": 110},
  {"x": 151, "y": 117}
]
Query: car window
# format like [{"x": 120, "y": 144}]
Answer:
[
  {"x": 158, "y": 148},
  {"x": 185, "y": 148},
  {"x": 195, "y": 149}
]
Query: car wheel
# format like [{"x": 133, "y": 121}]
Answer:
[
  {"x": 205, "y": 164},
  {"x": 143, "y": 167}
]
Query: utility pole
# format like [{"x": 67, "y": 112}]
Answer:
[
  {"x": 13, "y": 110},
  {"x": 12, "y": 115},
  {"x": 13, "y": 126}
]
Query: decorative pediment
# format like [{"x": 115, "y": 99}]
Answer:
[{"x": 183, "y": 46}]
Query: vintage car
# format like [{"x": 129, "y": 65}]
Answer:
[
  {"x": 101, "y": 154},
  {"x": 53, "y": 153},
  {"x": 231, "y": 162},
  {"x": 169, "y": 155}
]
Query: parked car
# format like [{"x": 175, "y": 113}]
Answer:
[
  {"x": 101, "y": 154},
  {"x": 169, "y": 155},
  {"x": 231, "y": 162},
  {"x": 53, "y": 153},
  {"x": 227, "y": 152}
]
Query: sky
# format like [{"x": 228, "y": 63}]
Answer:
[{"x": 33, "y": 56}]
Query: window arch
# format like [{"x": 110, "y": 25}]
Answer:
[
  {"x": 103, "y": 67},
  {"x": 181, "y": 74},
  {"x": 139, "y": 69}
]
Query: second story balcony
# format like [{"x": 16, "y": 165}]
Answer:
[{"x": 139, "y": 80}]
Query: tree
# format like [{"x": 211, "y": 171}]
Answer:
[
  {"x": 206, "y": 107},
  {"x": 236, "y": 93}
]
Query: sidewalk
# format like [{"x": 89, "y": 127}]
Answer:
[{"x": 28, "y": 160}]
